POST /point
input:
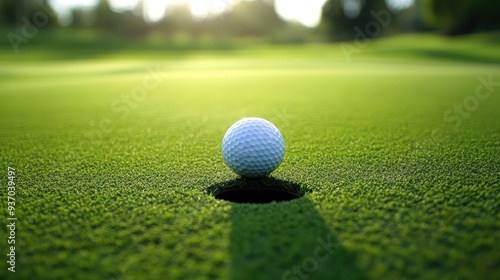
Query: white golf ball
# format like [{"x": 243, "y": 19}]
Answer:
[{"x": 253, "y": 147}]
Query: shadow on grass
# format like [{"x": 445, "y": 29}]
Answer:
[
  {"x": 283, "y": 240},
  {"x": 456, "y": 56},
  {"x": 443, "y": 55}
]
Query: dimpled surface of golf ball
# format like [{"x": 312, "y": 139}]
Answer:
[{"x": 253, "y": 147}]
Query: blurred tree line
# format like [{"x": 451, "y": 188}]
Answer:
[
  {"x": 341, "y": 19},
  {"x": 13, "y": 11},
  {"x": 464, "y": 16},
  {"x": 246, "y": 18},
  {"x": 351, "y": 19}
]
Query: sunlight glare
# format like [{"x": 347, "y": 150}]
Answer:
[
  {"x": 205, "y": 8},
  {"x": 199, "y": 8},
  {"x": 154, "y": 10},
  {"x": 123, "y": 5},
  {"x": 306, "y": 12}
]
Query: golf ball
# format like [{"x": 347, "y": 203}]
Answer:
[{"x": 253, "y": 147}]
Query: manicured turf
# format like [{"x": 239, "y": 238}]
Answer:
[{"x": 395, "y": 186}]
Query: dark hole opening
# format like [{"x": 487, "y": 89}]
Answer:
[
  {"x": 264, "y": 195},
  {"x": 257, "y": 190}
]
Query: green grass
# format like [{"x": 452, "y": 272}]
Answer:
[{"x": 399, "y": 191}]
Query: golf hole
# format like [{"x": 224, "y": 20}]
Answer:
[
  {"x": 261, "y": 195},
  {"x": 260, "y": 190}
]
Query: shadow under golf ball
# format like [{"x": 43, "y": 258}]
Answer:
[{"x": 260, "y": 190}]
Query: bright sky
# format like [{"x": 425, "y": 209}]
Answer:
[{"x": 306, "y": 12}]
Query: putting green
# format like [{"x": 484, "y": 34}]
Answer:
[{"x": 397, "y": 156}]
